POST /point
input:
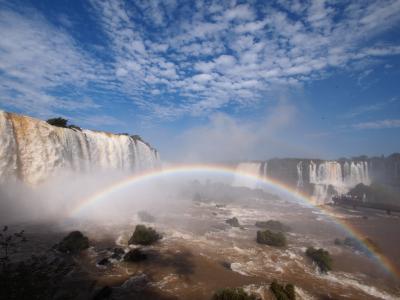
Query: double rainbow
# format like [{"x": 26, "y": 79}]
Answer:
[{"x": 104, "y": 194}]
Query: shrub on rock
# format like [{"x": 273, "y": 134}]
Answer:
[
  {"x": 73, "y": 243},
  {"x": 144, "y": 236},
  {"x": 59, "y": 122},
  {"x": 276, "y": 239},
  {"x": 321, "y": 257},
  {"x": 272, "y": 225},
  {"x": 234, "y": 222},
  {"x": 233, "y": 294},
  {"x": 282, "y": 292}
]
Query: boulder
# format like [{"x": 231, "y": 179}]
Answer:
[
  {"x": 144, "y": 236},
  {"x": 276, "y": 239},
  {"x": 135, "y": 255},
  {"x": 118, "y": 253},
  {"x": 73, "y": 243},
  {"x": 234, "y": 222},
  {"x": 136, "y": 283}
]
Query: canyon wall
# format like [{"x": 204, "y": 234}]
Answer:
[
  {"x": 32, "y": 150},
  {"x": 321, "y": 179}
]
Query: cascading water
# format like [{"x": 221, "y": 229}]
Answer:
[
  {"x": 33, "y": 150},
  {"x": 300, "y": 182},
  {"x": 264, "y": 171},
  {"x": 331, "y": 173}
]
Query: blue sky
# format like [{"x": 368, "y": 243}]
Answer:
[{"x": 211, "y": 80}]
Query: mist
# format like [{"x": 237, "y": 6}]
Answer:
[{"x": 62, "y": 198}]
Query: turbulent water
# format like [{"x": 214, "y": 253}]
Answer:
[
  {"x": 324, "y": 177},
  {"x": 33, "y": 150}
]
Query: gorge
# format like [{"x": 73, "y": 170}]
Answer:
[{"x": 32, "y": 150}]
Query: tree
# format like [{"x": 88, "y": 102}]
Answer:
[
  {"x": 73, "y": 243},
  {"x": 144, "y": 236},
  {"x": 59, "y": 122},
  {"x": 271, "y": 238},
  {"x": 234, "y": 222},
  {"x": 321, "y": 257},
  {"x": 282, "y": 292}
]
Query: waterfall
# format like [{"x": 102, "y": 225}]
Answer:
[
  {"x": 300, "y": 182},
  {"x": 33, "y": 150},
  {"x": 252, "y": 168},
  {"x": 341, "y": 179},
  {"x": 264, "y": 172}
]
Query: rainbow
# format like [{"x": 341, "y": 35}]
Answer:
[{"x": 104, "y": 194}]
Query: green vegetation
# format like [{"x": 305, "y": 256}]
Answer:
[
  {"x": 276, "y": 239},
  {"x": 144, "y": 236},
  {"x": 282, "y": 292},
  {"x": 73, "y": 243},
  {"x": 234, "y": 222},
  {"x": 59, "y": 122},
  {"x": 272, "y": 225},
  {"x": 321, "y": 257},
  {"x": 232, "y": 294},
  {"x": 375, "y": 193},
  {"x": 63, "y": 123}
]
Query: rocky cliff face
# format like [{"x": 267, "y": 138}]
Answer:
[
  {"x": 323, "y": 178},
  {"x": 33, "y": 150}
]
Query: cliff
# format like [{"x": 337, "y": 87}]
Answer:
[
  {"x": 321, "y": 179},
  {"x": 32, "y": 150}
]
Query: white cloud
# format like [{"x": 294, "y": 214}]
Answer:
[
  {"x": 202, "y": 77},
  {"x": 239, "y": 12},
  {"x": 380, "y": 124},
  {"x": 206, "y": 56}
]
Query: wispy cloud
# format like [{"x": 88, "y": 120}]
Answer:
[
  {"x": 380, "y": 124},
  {"x": 172, "y": 58},
  {"x": 369, "y": 108}
]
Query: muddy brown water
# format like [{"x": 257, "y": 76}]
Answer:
[{"x": 192, "y": 260}]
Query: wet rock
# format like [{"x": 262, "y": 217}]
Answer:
[
  {"x": 73, "y": 243},
  {"x": 104, "y": 262},
  {"x": 144, "y": 235},
  {"x": 233, "y": 293},
  {"x": 135, "y": 255},
  {"x": 103, "y": 293},
  {"x": 118, "y": 253},
  {"x": 136, "y": 283},
  {"x": 226, "y": 265},
  {"x": 234, "y": 222}
]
